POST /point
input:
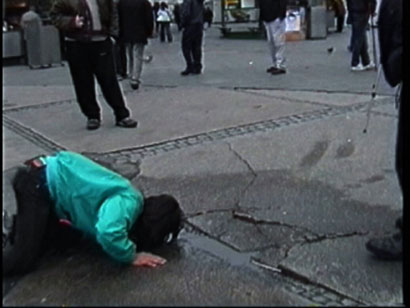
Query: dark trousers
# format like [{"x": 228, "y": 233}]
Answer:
[
  {"x": 192, "y": 46},
  {"x": 340, "y": 20},
  {"x": 89, "y": 59},
  {"x": 120, "y": 58},
  {"x": 33, "y": 206},
  {"x": 359, "y": 39},
  {"x": 165, "y": 29},
  {"x": 36, "y": 227}
]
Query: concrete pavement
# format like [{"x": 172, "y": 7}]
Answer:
[{"x": 280, "y": 186}]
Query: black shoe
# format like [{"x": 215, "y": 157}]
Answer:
[
  {"x": 135, "y": 84},
  {"x": 271, "y": 69},
  {"x": 278, "y": 71},
  {"x": 387, "y": 248},
  {"x": 186, "y": 72},
  {"x": 93, "y": 124},
  {"x": 196, "y": 72},
  {"x": 127, "y": 123}
]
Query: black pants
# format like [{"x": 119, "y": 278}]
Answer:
[
  {"x": 192, "y": 46},
  {"x": 165, "y": 30},
  {"x": 340, "y": 20},
  {"x": 120, "y": 58},
  {"x": 30, "y": 225},
  {"x": 36, "y": 227},
  {"x": 359, "y": 39},
  {"x": 89, "y": 59}
]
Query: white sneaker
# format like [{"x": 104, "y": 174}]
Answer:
[
  {"x": 357, "y": 68},
  {"x": 369, "y": 66}
]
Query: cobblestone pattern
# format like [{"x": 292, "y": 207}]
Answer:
[
  {"x": 181, "y": 143},
  {"x": 241, "y": 130}
]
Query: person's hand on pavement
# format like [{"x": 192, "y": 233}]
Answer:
[{"x": 147, "y": 259}]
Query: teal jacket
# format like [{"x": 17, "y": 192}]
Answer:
[{"x": 100, "y": 203}]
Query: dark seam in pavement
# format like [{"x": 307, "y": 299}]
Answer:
[
  {"x": 207, "y": 212},
  {"x": 238, "y": 88},
  {"x": 31, "y": 135},
  {"x": 294, "y": 275},
  {"x": 331, "y": 236},
  {"x": 250, "y": 219}
]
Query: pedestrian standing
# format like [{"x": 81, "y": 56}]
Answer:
[
  {"x": 359, "y": 13},
  {"x": 273, "y": 14},
  {"x": 391, "y": 57},
  {"x": 208, "y": 17},
  {"x": 164, "y": 18},
  {"x": 192, "y": 21},
  {"x": 340, "y": 12},
  {"x": 136, "y": 26},
  {"x": 93, "y": 201},
  {"x": 88, "y": 26},
  {"x": 155, "y": 9}
]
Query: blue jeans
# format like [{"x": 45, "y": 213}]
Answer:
[{"x": 359, "y": 39}]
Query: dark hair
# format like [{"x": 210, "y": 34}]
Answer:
[{"x": 161, "y": 217}]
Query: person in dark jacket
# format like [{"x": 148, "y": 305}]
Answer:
[
  {"x": 359, "y": 12},
  {"x": 208, "y": 17},
  {"x": 272, "y": 14},
  {"x": 391, "y": 54},
  {"x": 68, "y": 190},
  {"x": 339, "y": 8},
  {"x": 136, "y": 26},
  {"x": 192, "y": 22},
  {"x": 88, "y": 27}
]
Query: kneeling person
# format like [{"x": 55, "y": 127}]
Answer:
[{"x": 100, "y": 203}]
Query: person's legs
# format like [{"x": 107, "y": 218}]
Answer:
[
  {"x": 269, "y": 26},
  {"x": 130, "y": 59},
  {"x": 364, "y": 51},
  {"x": 83, "y": 79},
  {"x": 279, "y": 28},
  {"x": 187, "y": 39},
  {"x": 30, "y": 224},
  {"x": 359, "y": 40},
  {"x": 104, "y": 70},
  {"x": 162, "y": 31},
  {"x": 356, "y": 40},
  {"x": 168, "y": 31},
  {"x": 391, "y": 247},
  {"x": 340, "y": 20},
  {"x": 139, "y": 60},
  {"x": 197, "y": 49}
]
